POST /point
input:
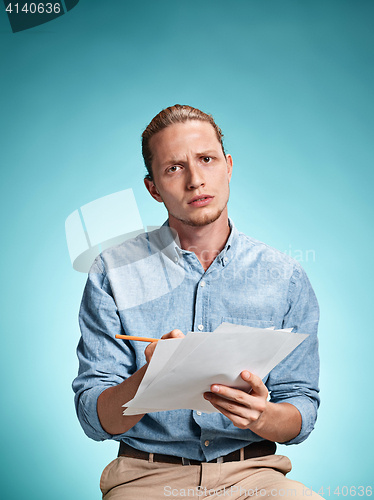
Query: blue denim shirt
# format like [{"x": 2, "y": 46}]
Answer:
[{"x": 148, "y": 286}]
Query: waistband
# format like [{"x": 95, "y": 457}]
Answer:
[{"x": 253, "y": 450}]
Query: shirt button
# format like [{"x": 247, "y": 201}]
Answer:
[
  {"x": 206, "y": 443},
  {"x": 200, "y": 327},
  {"x": 198, "y": 413},
  {"x": 202, "y": 283},
  {"x": 175, "y": 259},
  {"x": 225, "y": 259}
]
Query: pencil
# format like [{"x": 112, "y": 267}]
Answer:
[{"x": 142, "y": 339}]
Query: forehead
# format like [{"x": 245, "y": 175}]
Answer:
[{"x": 193, "y": 136}]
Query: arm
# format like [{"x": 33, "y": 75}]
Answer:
[
  {"x": 109, "y": 404},
  {"x": 104, "y": 361},
  {"x": 290, "y": 415},
  {"x": 108, "y": 375}
]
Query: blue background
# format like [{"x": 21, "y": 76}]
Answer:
[{"x": 290, "y": 82}]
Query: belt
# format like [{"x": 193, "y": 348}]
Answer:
[{"x": 254, "y": 450}]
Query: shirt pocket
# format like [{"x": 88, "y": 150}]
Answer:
[{"x": 256, "y": 323}]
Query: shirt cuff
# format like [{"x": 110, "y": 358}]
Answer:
[
  {"x": 308, "y": 414},
  {"x": 87, "y": 414}
]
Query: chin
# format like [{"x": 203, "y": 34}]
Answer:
[{"x": 202, "y": 220}]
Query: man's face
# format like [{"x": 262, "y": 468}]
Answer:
[{"x": 191, "y": 174}]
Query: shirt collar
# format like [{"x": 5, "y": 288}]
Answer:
[
  {"x": 228, "y": 252},
  {"x": 172, "y": 249}
]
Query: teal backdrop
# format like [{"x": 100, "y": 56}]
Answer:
[{"x": 290, "y": 82}]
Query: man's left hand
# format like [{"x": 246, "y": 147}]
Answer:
[{"x": 242, "y": 408}]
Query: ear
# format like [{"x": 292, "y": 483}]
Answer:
[
  {"x": 151, "y": 187},
  {"x": 229, "y": 163}
]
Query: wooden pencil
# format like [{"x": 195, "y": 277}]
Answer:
[{"x": 142, "y": 339}]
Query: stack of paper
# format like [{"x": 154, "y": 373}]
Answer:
[{"x": 181, "y": 370}]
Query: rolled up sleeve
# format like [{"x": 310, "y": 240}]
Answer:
[
  {"x": 295, "y": 380},
  {"x": 103, "y": 360}
]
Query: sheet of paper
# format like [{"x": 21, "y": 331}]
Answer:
[
  {"x": 220, "y": 361},
  {"x": 161, "y": 356},
  {"x": 287, "y": 348},
  {"x": 290, "y": 344},
  {"x": 218, "y": 357},
  {"x": 191, "y": 341}
]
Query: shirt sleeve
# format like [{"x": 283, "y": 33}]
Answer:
[
  {"x": 103, "y": 360},
  {"x": 295, "y": 379}
]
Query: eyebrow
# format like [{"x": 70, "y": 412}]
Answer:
[{"x": 176, "y": 160}]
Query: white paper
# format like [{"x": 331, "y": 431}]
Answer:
[
  {"x": 183, "y": 369},
  {"x": 190, "y": 342},
  {"x": 161, "y": 356}
]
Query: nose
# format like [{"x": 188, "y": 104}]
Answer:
[{"x": 195, "y": 177}]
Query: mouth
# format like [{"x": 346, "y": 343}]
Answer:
[{"x": 200, "y": 200}]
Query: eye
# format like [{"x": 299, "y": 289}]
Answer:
[
  {"x": 173, "y": 169},
  {"x": 206, "y": 159}
]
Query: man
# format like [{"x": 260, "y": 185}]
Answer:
[{"x": 222, "y": 275}]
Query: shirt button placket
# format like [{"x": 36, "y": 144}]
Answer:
[{"x": 199, "y": 304}]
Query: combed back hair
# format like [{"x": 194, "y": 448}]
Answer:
[{"x": 167, "y": 117}]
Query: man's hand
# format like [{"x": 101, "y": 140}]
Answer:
[
  {"x": 150, "y": 349},
  {"x": 242, "y": 408},
  {"x": 278, "y": 422}
]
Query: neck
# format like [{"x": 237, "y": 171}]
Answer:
[{"x": 205, "y": 241}]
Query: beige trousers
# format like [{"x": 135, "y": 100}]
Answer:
[{"x": 256, "y": 478}]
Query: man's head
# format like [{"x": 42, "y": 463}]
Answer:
[
  {"x": 170, "y": 116},
  {"x": 188, "y": 169}
]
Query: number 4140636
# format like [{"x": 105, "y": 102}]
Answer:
[
  {"x": 33, "y": 8},
  {"x": 352, "y": 491}
]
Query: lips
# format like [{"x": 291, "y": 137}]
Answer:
[{"x": 200, "y": 200}]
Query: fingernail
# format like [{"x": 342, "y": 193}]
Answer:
[
  {"x": 247, "y": 375},
  {"x": 215, "y": 388},
  {"x": 207, "y": 395}
]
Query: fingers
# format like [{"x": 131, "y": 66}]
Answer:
[
  {"x": 240, "y": 416},
  {"x": 174, "y": 334},
  {"x": 256, "y": 383},
  {"x": 235, "y": 401},
  {"x": 150, "y": 349},
  {"x": 241, "y": 408},
  {"x": 258, "y": 389}
]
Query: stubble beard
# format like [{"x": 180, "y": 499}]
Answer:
[{"x": 202, "y": 220}]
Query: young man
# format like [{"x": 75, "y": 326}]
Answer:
[{"x": 156, "y": 284}]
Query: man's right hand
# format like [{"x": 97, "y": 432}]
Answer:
[{"x": 150, "y": 349}]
